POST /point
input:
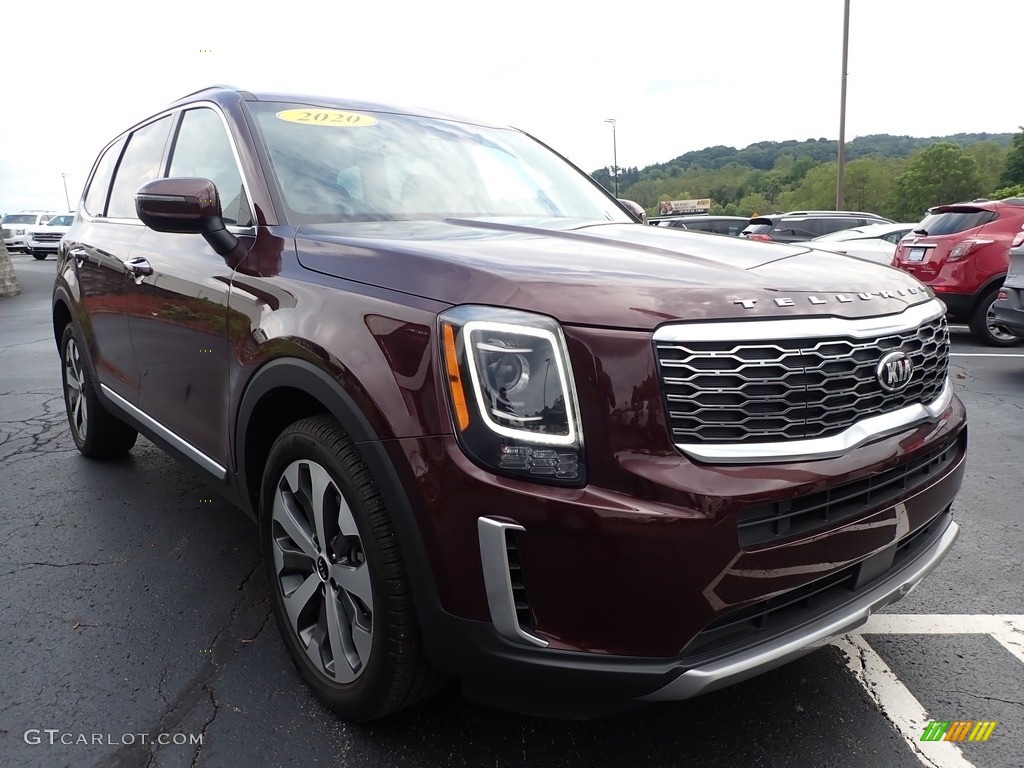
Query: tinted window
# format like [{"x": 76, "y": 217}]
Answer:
[
  {"x": 757, "y": 229},
  {"x": 728, "y": 227},
  {"x": 203, "y": 149},
  {"x": 96, "y": 195},
  {"x": 140, "y": 163},
  {"x": 838, "y": 223},
  {"x": 61, "y": 221},
  {"x": 948, "y": 222},
  {"x": 19, "y": 218}
]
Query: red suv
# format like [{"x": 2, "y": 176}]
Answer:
[
  {"x": 962, "y": 252},
  {"x": 490, "y": 426}
]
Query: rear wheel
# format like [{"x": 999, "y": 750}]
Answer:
[
  {"x": 338, "y": 584},
  {"x": 984, "y": 326},
  {"x": 95, "y": 431}
]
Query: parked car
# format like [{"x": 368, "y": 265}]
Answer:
[
  {"x": 806, "y": 225},
  {"x": 719, "y": 225},
  {"x": 42, "y": 240},
  {"x": 962, "y": 252},
  {"x": 14, "y": 226},
  {"x": 1008, "y": 311},
  {"x": 636, "y": 209},
  {"x": 873, "y": 242},
  {"x": 489, "y": 427}
]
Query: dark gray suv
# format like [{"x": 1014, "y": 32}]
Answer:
[{"x": 806, "y": 225}]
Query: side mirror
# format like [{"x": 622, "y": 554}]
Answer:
[{"x": 185, "y": 205}]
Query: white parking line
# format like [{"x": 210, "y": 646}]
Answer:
[
  {"x": 893, "y": 698},
  {"x": 897, "y": 703},
  {"x": 1007, "y": 629}
]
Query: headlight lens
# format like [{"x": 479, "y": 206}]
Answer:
[{"x": 511, "y": 393}]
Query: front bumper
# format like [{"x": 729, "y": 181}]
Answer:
[
  {"x": 627, "y": 604},
  {"x": 1010, "y": 311}
]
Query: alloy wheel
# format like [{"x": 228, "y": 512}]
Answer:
[
  {"x": 321, "y": 571},
  {"x": 998, "y": 331},
  {"x": 78, "y": 407}
]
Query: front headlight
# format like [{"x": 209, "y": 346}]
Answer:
[{"x": 511, "y": 393}]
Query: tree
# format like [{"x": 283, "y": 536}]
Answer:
[
  {"x": 1013, "y": 171},
  {"x": 940, "y": 174},
  {"x": 1017, "y": 190},
  {"x": 991, "y": 159}
]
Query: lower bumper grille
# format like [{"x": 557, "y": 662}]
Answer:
[{"x": 780, "y": 519}]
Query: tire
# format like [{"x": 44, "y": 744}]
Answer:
[
  {"x": 97, "y": 433},
  {"x": 343, "y": 605},
  {"x": 984, "y": 328},
  {"x": 38, "y": 256}
]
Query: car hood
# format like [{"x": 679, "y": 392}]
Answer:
[{"x": 615, "y": 275}]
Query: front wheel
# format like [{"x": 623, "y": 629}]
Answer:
[
  {"x": 38, "y": 255},
  {"x": 338, "y": 584},
  {"x": 984, "y": 326},
  {"x": 96, "y": 432}
]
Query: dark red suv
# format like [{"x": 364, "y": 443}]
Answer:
[
  {"x": 962, "y": 252},
  {"x": 489, "y": 426}
]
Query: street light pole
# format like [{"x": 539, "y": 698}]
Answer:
[
  {"x": 841, "y": 169},
  {"x": 615, "y": 155},
  {"x": 63, "y": 177}
]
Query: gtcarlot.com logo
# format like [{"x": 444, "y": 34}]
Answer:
[{"x": 53, "y": 736}]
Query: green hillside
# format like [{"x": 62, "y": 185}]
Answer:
[{"x": 890, "y": 175}]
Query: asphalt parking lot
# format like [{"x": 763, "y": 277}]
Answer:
[{"x": 132, "y": 605}]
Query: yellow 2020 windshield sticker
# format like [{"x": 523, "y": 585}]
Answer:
[{"x": 332, "y": 117}]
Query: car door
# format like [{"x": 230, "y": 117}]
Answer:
[
  {"x": 179, "y": 297},
  {"x": 99, "y": 252}
]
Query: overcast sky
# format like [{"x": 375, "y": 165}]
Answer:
[{"x": 694, "y": 75}]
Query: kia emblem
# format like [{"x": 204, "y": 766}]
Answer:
[{"x": 895, "y": 371}]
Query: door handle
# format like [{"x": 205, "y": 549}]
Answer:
[
  {"x": 80, "y": 256},
  {"x": 139, "y": 267}
]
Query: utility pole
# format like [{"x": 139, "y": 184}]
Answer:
[
  {"x": 841, "y": 169},
  {"x": 615, "y": 155},
  {"x": 63, "y": 177}
]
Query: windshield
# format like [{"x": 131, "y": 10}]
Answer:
[
  {"x": 61, "y": 221},
  {"x": 948, "y": 222},
  {"x": 335, "y": 166},
  {"x": 19, "y": 218}
]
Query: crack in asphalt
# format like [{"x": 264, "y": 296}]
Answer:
[
  {"x": 206, "y": 725},
  {"x": 29, "y": 437},
  {"x": 250, "y": 611},
  {"x": 24, "y": 343},
  {"x": 980, "y": 696},
  {"x": 19, "y": 567}
]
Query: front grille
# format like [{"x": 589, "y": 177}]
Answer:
[
  {"x": 759, "y": 622},
  {"x": 48, "y": 237},
  {"x": 768, "y": 522},
  {"x": 5, "y": 234},
  {"x": 731, "y": 391}
]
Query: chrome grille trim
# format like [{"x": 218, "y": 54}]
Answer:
[
  {"x": 803, "y": 327},
  {"x": 752, "y": 392}
]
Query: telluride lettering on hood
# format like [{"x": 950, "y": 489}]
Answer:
[{"x": 481, "y": 415}]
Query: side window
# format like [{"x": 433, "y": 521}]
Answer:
[
  {"x": 894, "y": 237},
  {"x": 95, "y": 201},
  {"x": 202, "y": 149},
  {"x": 835, "y": 224},
  {"x": 139, "y": 164}
]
